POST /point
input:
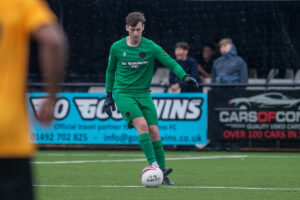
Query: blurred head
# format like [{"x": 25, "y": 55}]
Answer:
[
  {"x": 181, "y": 50},
  {"x": 208, "y": 51},
  {"x": 135, "y": 25},
  {"x": 225, "y": 45}
]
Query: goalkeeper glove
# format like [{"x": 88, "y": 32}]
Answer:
[
  {"x": 191, "y": 81},
  {"x": 109, "y": 104}
]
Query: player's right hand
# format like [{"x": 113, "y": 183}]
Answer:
[
  {"x": 45, "y": 113},
  {"x": 191, "y": 81},
  {"x": 109, "y": 104}
]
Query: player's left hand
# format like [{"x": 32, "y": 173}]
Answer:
[
  {"x": 191, "y": 81},
  {"x": 109, "y": 104}
]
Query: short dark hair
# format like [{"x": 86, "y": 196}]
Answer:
[
  {"x": 210, "y": 45},
  {"x": 134, "y": 18},
  {"x": 182, "y": 45}
]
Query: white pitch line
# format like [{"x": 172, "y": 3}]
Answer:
[
  {"x": 136, "y": 160},
  {"x": 124, "y": 154},
  {"x": 172, "y": 187},
  {"x": 142, "y": 155},
  {"x": 271, "y": 157}
]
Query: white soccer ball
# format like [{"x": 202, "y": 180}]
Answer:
[{"x": 152, "y": 176}]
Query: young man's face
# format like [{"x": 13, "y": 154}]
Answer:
[
  {"x": 225, "y": 48},
  {"x": 135, "y": 32},
  {"x": 181, "y": 54},
  {"x": 207, "y": 53}
]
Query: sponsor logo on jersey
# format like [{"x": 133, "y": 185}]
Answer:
[
  {"x": 124, "y": 54},
  {"x": 135, "y": 64}
]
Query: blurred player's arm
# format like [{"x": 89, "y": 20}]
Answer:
[
  {"x": 109, "y": 104},
  {"x": 52, "y": 44},
  {"x": 40, "y": 22},
  {"x": 110, "y": 71}
]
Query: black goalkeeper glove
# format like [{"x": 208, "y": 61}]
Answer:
[
  {"x": 191, "y": 81},
  {"x": 109, "y": 104}
]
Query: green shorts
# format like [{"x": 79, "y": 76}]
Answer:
[{"x": 133, "y": 106}]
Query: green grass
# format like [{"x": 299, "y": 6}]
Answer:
[{"x": 260, "y": 171}]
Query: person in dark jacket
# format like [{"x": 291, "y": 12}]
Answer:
[
  {"x": 189, "y": 65},
  {"x": 206, "y": 61},
  {"x": 229, "y": 68}
]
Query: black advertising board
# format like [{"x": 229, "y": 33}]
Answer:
[{"x": 238, "y": 114}]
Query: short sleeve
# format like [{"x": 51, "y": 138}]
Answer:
[{"x": 37, "y": 14}]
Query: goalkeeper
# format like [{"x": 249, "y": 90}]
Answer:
[{"x": 128, "y": 77}]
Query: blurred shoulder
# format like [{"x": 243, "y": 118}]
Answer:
[
  {"x": 191, "y": 59},
  {"x": 240, "y": 59},
  {"x": 218, "y": 60},
  {"x": 148, "y": 41}
]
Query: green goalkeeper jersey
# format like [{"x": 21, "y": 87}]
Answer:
[{"x": 130, "y": 69}]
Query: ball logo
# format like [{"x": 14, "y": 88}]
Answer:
[{"x": 153, "y": 178}]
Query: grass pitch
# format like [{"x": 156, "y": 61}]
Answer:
[{"x": 91, "y": 175}]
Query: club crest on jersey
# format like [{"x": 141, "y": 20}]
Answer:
[
  {"x": 124, "y": 54},
  {"x": 142, "y": 54}
]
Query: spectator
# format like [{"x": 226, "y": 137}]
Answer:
[
  {"x": 189, "y": 65},
  {"x": 229, "y": 68},
  {"x": 206, "y": 61}
]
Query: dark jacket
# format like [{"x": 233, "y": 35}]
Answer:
[
  {"x": 230, "y": 68},
  {"x": 190, "y": 67}
]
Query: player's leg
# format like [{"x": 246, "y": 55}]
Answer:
[
  {"x": 158, "y": 146},
  {"x": 149, "y": 111},
  {"x": 160, "y": 153},
  {"x": 15, "y": 179},
  {"x": 145, "y": 140},
  {"x": 134, "y": 117}
]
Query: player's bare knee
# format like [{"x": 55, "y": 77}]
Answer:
[
  {"x": 142, "y": 127},
  {"x": 154, "y": 133}
]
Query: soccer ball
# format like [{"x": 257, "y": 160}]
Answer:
[{"x": 152, "y": 176}]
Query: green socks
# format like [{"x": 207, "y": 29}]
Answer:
[
  {"x": 154, "y": 151},
  {"x": 159, "y": 153},
  {"x": 147, "y": 147}
]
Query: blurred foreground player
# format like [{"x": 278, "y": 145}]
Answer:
[
  {"x": 128, "y": 77},
  {"x": 20, "y": 20}
]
